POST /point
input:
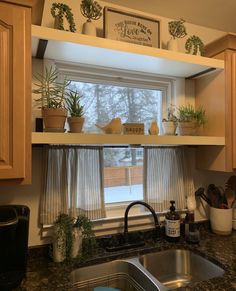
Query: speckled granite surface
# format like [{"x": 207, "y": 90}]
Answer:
[{"x": 43, "y": 274}]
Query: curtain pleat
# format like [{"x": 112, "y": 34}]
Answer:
[
  {"x": 167, "y": 177},
  {"x": 73, "y": 183}
]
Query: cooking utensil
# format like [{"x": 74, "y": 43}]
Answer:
[
  {"x": 230, "y": 197},
  {"x": 200, "y": 193},
  {"x": 215, "y": 195}
]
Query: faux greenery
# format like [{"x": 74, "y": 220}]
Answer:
[
  {"x": 73, "y": 104},
  {"x": 59, "y": 10},
  {"x": 52, "y": 92},
  {"x": 170, "y": 114},
  {"x": 194, "y": 44},
  {"x": 187, "y": 113},
  {"x": 90, "y": 9},
  {"x": 177, "y": 28},
  {"x": 63, "y": 227}
]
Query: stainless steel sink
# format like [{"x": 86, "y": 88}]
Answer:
[
  {"x": 120, "y": 274},
  {"x": 177, "y": 268}
]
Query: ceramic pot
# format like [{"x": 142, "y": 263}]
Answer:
[
  {"x": 89, "y": 28},
  {"x": 169, "y": 127},
  {"x": 77, "y": 239},
  {"x": 54, "y": 118},
  {"x": 187, "y": 128},
  {"x": 172, "y": 45},
  {"x": 76, "y": 124},
  {"x": 59, "y": 245}
]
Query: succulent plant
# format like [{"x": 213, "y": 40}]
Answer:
[
  {"x": 177, "y": 28},
  {"x": 91, "y": 9}
]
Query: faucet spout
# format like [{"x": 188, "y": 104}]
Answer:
[{"x": 157, "y": 226}]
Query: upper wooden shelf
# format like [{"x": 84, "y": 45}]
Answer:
[
  {"x": 122, "y": 139},
  {"x": 79, "y": 48}
]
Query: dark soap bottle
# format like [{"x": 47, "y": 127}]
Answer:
[{"x": 172, "y": 224}]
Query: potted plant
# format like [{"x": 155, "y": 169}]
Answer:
[
  {"x": 59, "y": 11},
  {"x": 91, "y": 10},
  {"x": 169, "y": 124},
  {"x": 194, "y": 45},
  {"x": 62, "y": 237},
  {"x": 176, "y": 30},
  {"x": 76, "y": 110},
  {"x": 190, "y": 119},
  {"x": 52, "y": 99},
  {"x": 82, "y": 229}
]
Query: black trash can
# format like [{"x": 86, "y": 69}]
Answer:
[{"x": 14, "y": 232}]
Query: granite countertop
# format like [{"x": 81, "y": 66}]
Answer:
[{"x": 43, "y": 274}]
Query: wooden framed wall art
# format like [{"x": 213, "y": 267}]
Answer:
[{"x": 132, "y": 28}]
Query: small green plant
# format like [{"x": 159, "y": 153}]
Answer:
[
  {"x": 90, "y": 9},
  {"x": 194, "y": 45},
  {"x": 52, "y": 92},
  {"x": 170, "y": 114},
  {"x": 63, "y": 226},
  {"x": 177, "y": 28},
  {"x": 73, "y": 104},
  {"x": 58, "y": 11},
  {"x": 187, "y": 113}
]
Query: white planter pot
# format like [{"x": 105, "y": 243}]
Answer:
[
  {"x": 89, "y": 28},
  {"x": 76, "y": 242},
  {"x": 169, "y": 127},
  {"x": 172, "y": 45},
  {"x": 59, "y": 253}
]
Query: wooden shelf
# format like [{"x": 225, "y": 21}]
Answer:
[
  {"x": 122, "y": 139},
  {"x": 79, "y": 48}
]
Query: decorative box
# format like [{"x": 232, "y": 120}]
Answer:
[{"x": 133, "y": 128}]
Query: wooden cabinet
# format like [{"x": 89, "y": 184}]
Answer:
[
  {"x": 15, "y": 92},
  {"x": 218, "y": 94}
]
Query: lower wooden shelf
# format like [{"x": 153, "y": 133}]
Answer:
[{"x": 122, "y": 139}]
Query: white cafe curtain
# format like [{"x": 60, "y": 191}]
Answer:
[
  {"x": 167, "y": 176},
  {"x": 73, "y": 183}
]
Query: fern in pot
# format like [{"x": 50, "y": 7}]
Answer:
[
  {"x": 190, "y": 119},
  {"x": 169, "y": 124},
  {"x": 76, "y": 111},
  {"x": 52, "y": 99}
]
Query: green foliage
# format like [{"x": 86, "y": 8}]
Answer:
[
  {"x": 90, "y": 9},
  {"x": 52, "y": 93},
  {"x": 188, "y": 113},
  {"x": 59, "y": 10},
  {"x": 194, "y": 44},
  {"x": 63, "y": 227},
  {"x": 177, "y": 28},
  {"x": 170, "y": 114},
  {"x": 73, "y": 104}
]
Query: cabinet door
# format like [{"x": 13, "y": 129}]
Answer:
[{"x": 15, "y": 92}]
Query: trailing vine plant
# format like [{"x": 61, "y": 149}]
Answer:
[
  {"x": 193, "y": 45},
  {"x": 177, "y": 28},
  {"x": 90, "y": 9},
  {"x": 58, "y": 11}
]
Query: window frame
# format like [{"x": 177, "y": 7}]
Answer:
[{"x": 118, "y": 77}]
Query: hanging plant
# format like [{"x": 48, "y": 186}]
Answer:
[
  {"x": 177, "y": 28},
  {"x": 194, "y": 45},
  {"x": 90, "y": 9},
  {"x": 59, "y": 11}
]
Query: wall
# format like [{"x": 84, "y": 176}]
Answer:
[{"x": 30, "y": 194}]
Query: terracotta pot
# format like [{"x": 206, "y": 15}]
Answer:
[
  {"x": 76, "y": 124},
  {"x": 169, "y": 127},
  {"x": 54, "y": 118},
  {"x": 187, "y": 128},
  {"x": 89, "y": 28}
]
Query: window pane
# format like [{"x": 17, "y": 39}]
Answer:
[
  {"x": 123, "y": 174},
  {"x": 103, "y": 102}
]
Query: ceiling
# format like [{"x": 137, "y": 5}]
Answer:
[{"x": 217, "y": 14}]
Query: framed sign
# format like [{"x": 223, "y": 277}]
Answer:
[{"x": 129, "y": 27}]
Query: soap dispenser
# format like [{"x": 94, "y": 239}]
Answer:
[{"x": 172, "y": 224}]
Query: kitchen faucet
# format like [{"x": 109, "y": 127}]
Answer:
[{"x": 157, "y": 226}]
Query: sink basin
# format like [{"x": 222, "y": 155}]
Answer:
[
  {"x": 178, "y": 268},
  {"x": 120, "y": 274}
]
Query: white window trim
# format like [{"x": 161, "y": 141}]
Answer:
[{"x": 103, "y": 75}]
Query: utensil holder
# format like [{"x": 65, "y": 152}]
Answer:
[{"x": 221, "y": 220}]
